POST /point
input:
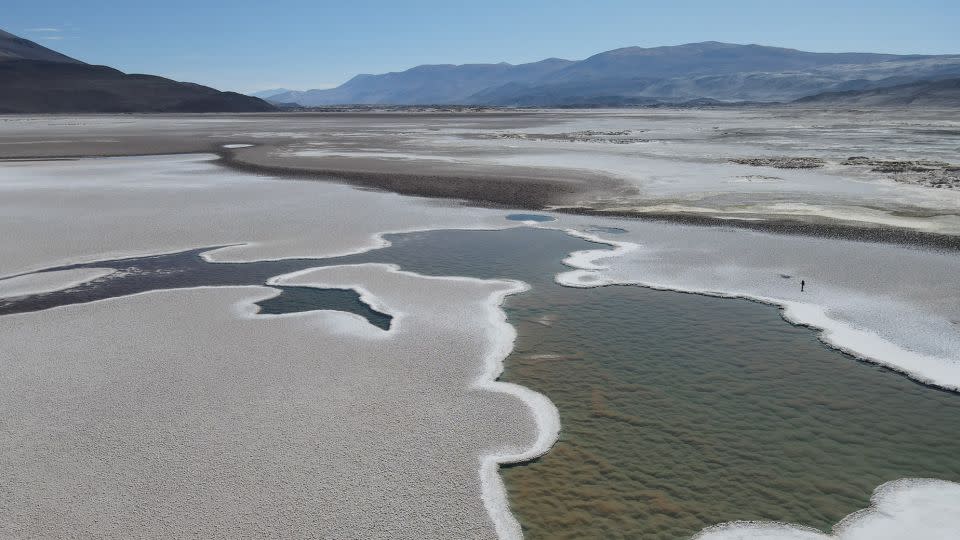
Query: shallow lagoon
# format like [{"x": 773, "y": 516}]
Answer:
[
  {"x": 539, "y": 218},
  {"x": 678, "y": 411}
]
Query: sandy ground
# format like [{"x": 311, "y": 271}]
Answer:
[{"x": 669, "y": 164}]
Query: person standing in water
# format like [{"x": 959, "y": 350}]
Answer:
[{"x": 802, "y": 285}]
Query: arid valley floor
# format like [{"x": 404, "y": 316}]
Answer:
[{"x": 144, "y": 384}]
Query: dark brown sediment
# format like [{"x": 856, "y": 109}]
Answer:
[{"x": 519, "y": 190}]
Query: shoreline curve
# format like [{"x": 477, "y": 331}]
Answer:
[{"x": 872, "y": 348}]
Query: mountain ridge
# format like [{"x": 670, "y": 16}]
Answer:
[
  {"x": 433, "y": 83},
  {"x": 709, "y": 70},
  {"x": 40, "y": 80},
  {"x": 264, "y": 94}
]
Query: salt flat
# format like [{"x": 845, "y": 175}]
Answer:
[
  {"x": 184, "y": 414},
  {"x": 176, "y": 417},
  {"x": 706, "y": 164},
  {"x": 144, "y": 393},
  {"x": 71, "y": 211},
  {"x": 48, "y": 281}
]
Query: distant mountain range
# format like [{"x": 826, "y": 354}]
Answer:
[
  {"x": 634, "y": 75},
  {"x": 35, "y": 79},
  {"x": 940, "y": 93},
  {"x": 264, "y": 94},
  {"x": 425, "y": 84}
]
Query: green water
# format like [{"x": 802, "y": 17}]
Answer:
[
  {"x": 541, "y": 218},
  {"x": 680, "y": 411},
  {"x": 300, "y": 299}
]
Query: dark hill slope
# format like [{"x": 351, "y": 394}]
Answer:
[
  {"x": 34, "y": 79},
  {"x": 17, "y": 48},
  {"x": 943, "y": 93}
]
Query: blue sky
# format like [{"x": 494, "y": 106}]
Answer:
[{"x": 245, "y": 45}]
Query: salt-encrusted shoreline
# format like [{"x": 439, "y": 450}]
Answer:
[
  {"x": 588, "y": 273},
  {"x": 44, "y": 282},
  {"x": 308, "y": 243},
  {"x": 934, "y": 371},
  {"x": 910, "y": 507},
  {"x": 147, "y": 214},
  {"x": 502, "y": 336},
  {"x": 352, "y": 364},
  {"x": 546, "y": 414}
]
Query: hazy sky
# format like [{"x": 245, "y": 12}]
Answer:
[{"x": 245, "y": 45}]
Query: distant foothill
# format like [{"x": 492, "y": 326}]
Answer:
[{"x": 39, "y": 80}]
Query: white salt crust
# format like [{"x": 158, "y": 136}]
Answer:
[
  {"x": 458, "y": 320},
  {"x": 170, "y": 203},
  {"x": 940, "y": 371},
  {"x": 919, "y": 508},
  {"x": 503, "y": 336},
  {"x": 49, "y": 281},
  {"x": 55, "y": 213},
  {"x": 324, "y": 238}
]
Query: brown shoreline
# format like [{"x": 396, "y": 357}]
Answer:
[
  {"x": 527, "y": 192},
  {"x": 537, "y": 193}
]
